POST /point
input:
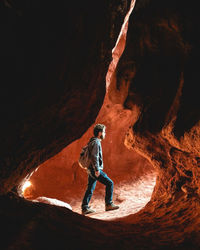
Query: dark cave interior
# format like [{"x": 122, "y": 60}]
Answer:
[{"x": 56, "y": 61}]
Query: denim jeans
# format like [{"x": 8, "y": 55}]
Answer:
[{"x": 92, "y": 180}]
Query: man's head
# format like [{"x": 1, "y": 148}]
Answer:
[{"x": 100, "y": 131}]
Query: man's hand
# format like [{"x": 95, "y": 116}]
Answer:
[{"x": 97, "y": 173}]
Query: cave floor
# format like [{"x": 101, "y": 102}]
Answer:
[{"x": 131, "y": 197}]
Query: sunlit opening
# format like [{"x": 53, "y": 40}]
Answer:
[
  {"x": 26, "y": 185},
  {"x": 120, "y": 45}
]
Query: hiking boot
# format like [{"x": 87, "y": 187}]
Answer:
[
  {"x": 88, "y": 210},
  {"x": 111, "y": 206}
]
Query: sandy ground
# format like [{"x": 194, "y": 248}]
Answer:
[{"x": 130, "y": 197}]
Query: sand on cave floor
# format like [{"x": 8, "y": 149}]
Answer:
[{"x": 131, "y": 197}]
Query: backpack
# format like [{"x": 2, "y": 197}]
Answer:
[{"x": 84, "y": 158}]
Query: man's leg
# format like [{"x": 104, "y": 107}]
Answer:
[
  {"x": 88, "y": 194},
  {"x": 104, "y": 179}
]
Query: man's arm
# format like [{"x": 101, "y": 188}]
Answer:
[{"x": 95, "y": 157}]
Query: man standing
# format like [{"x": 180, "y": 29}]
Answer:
[{"x": 95, "y": 172}]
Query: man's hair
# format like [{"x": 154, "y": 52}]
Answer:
[{"x": 98, "y": 128}]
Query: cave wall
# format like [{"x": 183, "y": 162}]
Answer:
[
  {"x": 162, "y": 50},
  {"x": 164, "y": 84},
  {"x": 54, "y": 58},
  {"x": 61, "y": 176},
  {"x": 164, "y": 59}
]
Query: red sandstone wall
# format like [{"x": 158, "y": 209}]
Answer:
[
  {"x": 62, "y": 178},
  {"x": 162, "y": 50}
]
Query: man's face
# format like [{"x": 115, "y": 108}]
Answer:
[{"x": 103, "y": 134}]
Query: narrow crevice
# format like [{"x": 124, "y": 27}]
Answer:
[{"x": 60, "y": 177}]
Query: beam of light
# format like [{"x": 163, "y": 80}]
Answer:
[{"x": 26, "y": 185}]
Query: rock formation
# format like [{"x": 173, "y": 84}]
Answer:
[{"x": 55, "y": 60}]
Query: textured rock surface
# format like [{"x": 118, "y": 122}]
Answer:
[
  {"x": 61, "y": 176},
  {"x": 159, "y": 72},
  {"x": 55, "y": 58}
]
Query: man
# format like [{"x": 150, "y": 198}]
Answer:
[{"x": 95, "y": 172}]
